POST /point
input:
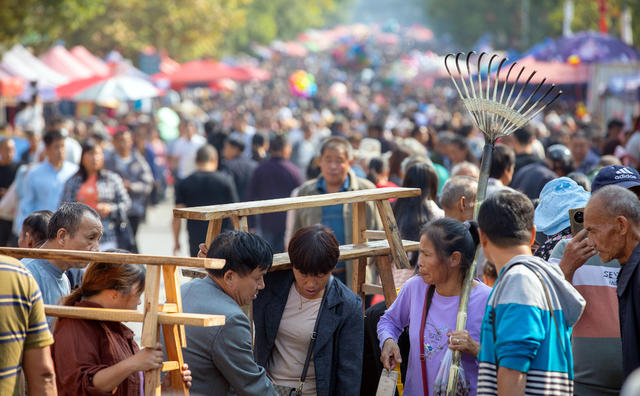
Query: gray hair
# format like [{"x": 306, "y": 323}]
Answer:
[
  {"x": 465, "y": 169},
  {"x": 618, "y": 201},
  {"x": 457, "y": 187}
]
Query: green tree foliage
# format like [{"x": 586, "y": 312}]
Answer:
[
  {"x": 186, "y": 29},
  {"x": 520, "y": 23}
]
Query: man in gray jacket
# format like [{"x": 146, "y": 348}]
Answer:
[{"x": 221, "y": 358}]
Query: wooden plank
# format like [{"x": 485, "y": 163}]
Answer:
[
  {"x": 359, "y": 224},
  {"x": 167, "y": 307},
  {"x": 386, "y": 278},
  {"x": 375, "y": 234},
  {"x": 130, "y": 315},
  {"x": 173, "y": 295},
  {"x": 173, "y": 346},
  {"x": 369, "y": 288},
  {"x": 282, "y": 204},
  {"x": 170, "y": 366},
  {"x": 152, "y": 382},
  {"x": 393, "y": 234},
  {"x": 347, "y": 252},
  {"x": 150, "y": 323},
  {"x": 215, "y": 227},
  {"x": 116, "y": 258}
]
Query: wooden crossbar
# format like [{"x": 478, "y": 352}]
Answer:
[
  {"x": 168, "y": 315},
  {"x": 115, "y": 258},
  {"x": 283, "y": 204},
  {"x": 130, "y": 315},
  {"x": 347, "y": 252}
]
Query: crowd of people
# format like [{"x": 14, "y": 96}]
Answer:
[{"x": 553, "y": 309}]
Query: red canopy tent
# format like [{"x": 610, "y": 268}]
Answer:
[
  {"x": 62, "y": 61},
  {"x": 202, "y": 71},
  {"x": 95, "y": 64},
  {"x": 252, "y": 73},
  {"x": 10, "y": 85}
]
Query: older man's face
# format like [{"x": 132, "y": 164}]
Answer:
[{"x": 603, "y": 231}]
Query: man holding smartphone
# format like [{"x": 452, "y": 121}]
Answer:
[{"x": 596, "y": 337}]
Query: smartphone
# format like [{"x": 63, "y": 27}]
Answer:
[{"x": 576, "y": 217}]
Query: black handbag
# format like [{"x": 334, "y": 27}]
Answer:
[
  {"x": 287, "y": 390},
  {"x": 124, "y": 233}
]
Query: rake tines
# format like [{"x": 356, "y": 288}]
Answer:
[{"x": 494, "y": 114}]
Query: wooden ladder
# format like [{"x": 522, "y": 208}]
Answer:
[
  {"x": 168, "y": 315},
  {"x": 385, "y": 242}
]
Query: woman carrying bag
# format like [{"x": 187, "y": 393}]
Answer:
[
  {"x": 296, "y": 305},
  {"x": 428, "y": 304}
]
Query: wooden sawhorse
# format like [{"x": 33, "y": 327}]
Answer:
[
  {"x": 168, "y": 315},
  {"x": 388, "y": 241}
]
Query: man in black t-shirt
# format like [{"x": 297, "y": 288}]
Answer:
[
  {"x": 206, "y": 186},
  {"x": 8, "y": 169}
]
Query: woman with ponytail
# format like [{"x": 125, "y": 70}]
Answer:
[
  {"x": 428, "y": 304},
  {"x": 100, "y": 357}
]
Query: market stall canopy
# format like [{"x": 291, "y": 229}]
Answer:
[
  {"x": 62, "y": 61},
  {"x": 95, "y": 64},
  {"x": 249, "y": 72},
  {"x": 68, "y": 91},
  {"x": 118, "y": 89},
  {"x": 559, "y": 73},
  {"x": 20, "y": 62},
  {"x": 10, "y": 85},
  {"x": 584, "y": 47},
  {"x": 202, "y": 72}
]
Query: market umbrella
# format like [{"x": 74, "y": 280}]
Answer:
[
  {"x": 588, "y": 47},
  {"x": 118, "y": 88},
  {"x": 68, "y": 91},
  {"x": 202, "y": 71}
]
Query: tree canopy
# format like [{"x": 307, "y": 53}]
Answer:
[
  {"x": 186, "y": 29},
  {"x": 520, "y": 23}
]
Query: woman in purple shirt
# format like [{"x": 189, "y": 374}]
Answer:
[{"x": 447, "y": 249}]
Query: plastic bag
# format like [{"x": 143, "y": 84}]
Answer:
[{"x": 442, "y": 379}]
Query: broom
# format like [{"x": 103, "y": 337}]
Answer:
[{"x": 496, "y": 115}]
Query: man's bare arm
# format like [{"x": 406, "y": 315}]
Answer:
[
  {"x": 39, "y": 372},
  {"x": 511, "y": 382}
]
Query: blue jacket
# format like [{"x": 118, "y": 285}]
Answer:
[
  {"x": 519, "y": 331},
  {"x": 337, "y": 355}
]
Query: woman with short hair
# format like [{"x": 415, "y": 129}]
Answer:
[{"x": 286, "y": 313}]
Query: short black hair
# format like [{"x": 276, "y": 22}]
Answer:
[
  {"x": 258, "y": 139},
  {"x": 449, "y": 235},
  {"x": 206, "y": 153},
  {"x": 236, "y": 142},
  {"x": 277, "y": 143},
  {"x": 36, "y": 224},
  {"x": 314, "y": 250},
  {"x": 506, "y": 218},
  {"x": 53, "y": 136},
  {"x": 615, "y": 123},
  {"x": 523, "y": 135},
  {"x": 243, "y": 252},
  {"x": 68, "y": 216},
  {"x": 503, "y": 158}
]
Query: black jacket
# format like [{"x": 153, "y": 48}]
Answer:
[
  {"x": 629, "y": 309},
  {"x": 337, "y": 356}
]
